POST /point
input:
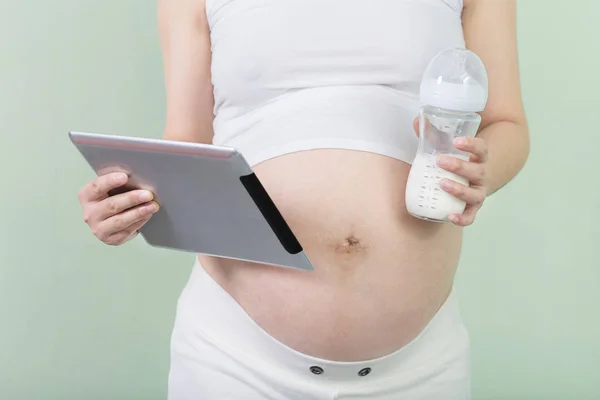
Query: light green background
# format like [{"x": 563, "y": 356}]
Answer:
[{"x": 80, "y": 320}]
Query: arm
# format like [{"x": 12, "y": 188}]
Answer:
[
  {"x": 501, "y": 147},
  {"x": 185, "y": 42},
  {"x": 490, "y": 31}
]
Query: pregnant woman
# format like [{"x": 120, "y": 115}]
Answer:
[{"x": 321, "y": 96}]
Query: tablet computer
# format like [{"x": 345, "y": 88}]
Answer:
[{"x": 211, "y": 202}]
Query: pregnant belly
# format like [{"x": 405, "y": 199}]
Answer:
[{"x": 380, "y": 275}]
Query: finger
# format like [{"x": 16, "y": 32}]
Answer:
[
  {"x": 472, "y": 196},
  {"x": 120, "y": 238},
  {"x": 121, "y": 202},
  {"x": 135, "y": 228},
  {"x": 98, "y": 189},
  {"x": 124, "y": 220},
  {"x": 465, "y": 219},
  {"x": 473, "y": 172},
  {"x": 128, "y": 234},
  {"x": 473, "y": 145},
  {"x": 416, "y": 125}
]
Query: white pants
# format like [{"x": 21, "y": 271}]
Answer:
[{"x": 218, "y": 352}]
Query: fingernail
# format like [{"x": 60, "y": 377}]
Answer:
[
  {"x": 146, "y": 196},
  {"x": 453, "y": 218},
  {"x": 461, "y": 141},
  {"x": 121, "y": 178},
  {"x": 443, "y": 161},
  {"x": 445, "y": 185},
  {"x": 152, "y": 207}
]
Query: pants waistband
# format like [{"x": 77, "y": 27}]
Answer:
[{"x": 221, "y": 320}]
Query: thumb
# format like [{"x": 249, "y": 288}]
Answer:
[{"x": 416, "y": 125}]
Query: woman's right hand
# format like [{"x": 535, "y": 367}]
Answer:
[{"x": 115, "y": 219}]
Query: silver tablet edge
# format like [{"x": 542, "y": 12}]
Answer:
[{"x": 136, "y": 143}]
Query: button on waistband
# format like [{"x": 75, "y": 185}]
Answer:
[{"x": 316, "y": 370}]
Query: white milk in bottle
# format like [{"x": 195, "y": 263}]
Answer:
[
  {"x": 424, "y": 197},
  {"x": 453, "y": 91}
]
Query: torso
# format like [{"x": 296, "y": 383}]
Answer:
[{"x": 381, "y": 274}]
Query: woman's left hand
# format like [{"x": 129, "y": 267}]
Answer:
[{"x": 474, "y": 170}]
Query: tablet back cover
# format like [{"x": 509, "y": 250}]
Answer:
[{"x": 210, "y": 200}]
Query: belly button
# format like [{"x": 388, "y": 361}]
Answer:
[{"x": 350, "y": 245}]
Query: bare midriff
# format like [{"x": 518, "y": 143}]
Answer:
[{"x": 380, "y": 274}]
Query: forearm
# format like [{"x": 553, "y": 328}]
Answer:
[{"x": 508, "y": 150}]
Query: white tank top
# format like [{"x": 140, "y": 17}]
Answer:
[{"x": 294, "y": 75}]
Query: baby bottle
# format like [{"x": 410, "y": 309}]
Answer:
[{"x": 453, "y": 90}]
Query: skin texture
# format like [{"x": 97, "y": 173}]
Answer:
[
  {"x": 501, "y": 148},
  {"x": 380, "y": 274}
]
